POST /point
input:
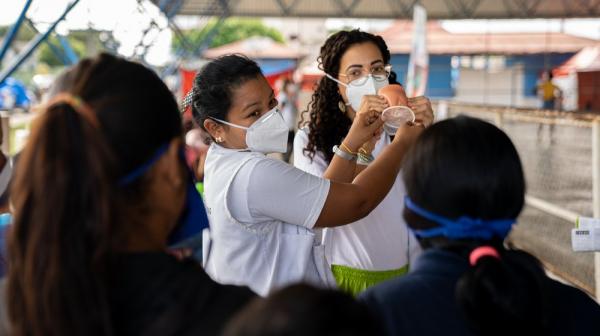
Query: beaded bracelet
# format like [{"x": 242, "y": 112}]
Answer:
[
  {"x": 364, "y": 160},
  {"x": 345, "y": 148}
]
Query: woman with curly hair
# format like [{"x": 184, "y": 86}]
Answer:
[{"x": 379, "y": 246}]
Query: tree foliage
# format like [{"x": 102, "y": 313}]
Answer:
[
  {"x": 48, "y": 56},
  {"x": 231, "y": 30},
  {"x": 83, "y": 42},
  {"x": 25, "y": 33}
]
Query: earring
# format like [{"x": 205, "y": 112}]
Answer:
[
  {"x": 219, "y": 139},
  {"x": 342, "y": 106}
]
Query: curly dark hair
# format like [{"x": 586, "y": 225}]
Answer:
[{"x": 327, "y": 124}]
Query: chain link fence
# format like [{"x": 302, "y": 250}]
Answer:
[{"x": 556, "y": 149}]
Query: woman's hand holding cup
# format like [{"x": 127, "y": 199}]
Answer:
[{"x": 366, "y": 122}]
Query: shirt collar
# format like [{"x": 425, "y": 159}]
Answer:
[{"x": 220, "y": 149}]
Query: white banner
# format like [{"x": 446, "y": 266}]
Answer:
[{"x": 418, "y": 65}]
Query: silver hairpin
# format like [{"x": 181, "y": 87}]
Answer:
[{"x": 187, "y": 101}]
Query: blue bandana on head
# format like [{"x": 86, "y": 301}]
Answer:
[
  {"x": 193, "y": 219},
  {"x": 461, "y": 228}
]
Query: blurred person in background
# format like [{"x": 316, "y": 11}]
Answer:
[
  {"x": 550, "y": 96},
  {"x": 101, "y": 189},
  {"x": 288, "y": 105},
  {"x": 196, "y": 141},
  {"x": 465, "y": 190},
  {"x": 548, "y": 92}
]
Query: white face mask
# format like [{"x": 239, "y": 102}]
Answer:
[
  {"x": 356, "y": 92},
  {"x": 266, "y": 135}
]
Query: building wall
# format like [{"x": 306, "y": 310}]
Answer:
[
  {"x": 589, "y": 90},
  {"x": 439, "y": 81},
  {"x": 443, "y": 79},
  {"x": 500, "y": 87},
  {"x": 534, "y": 65}
]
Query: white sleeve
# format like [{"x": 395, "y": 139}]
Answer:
[
  {"x": 277, "y": 190},
  {"x": 302, "y": 161}
]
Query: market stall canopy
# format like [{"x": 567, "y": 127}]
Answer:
[
  {"x": 388, "y": 9},
  {"x": 586, "y": 60}
]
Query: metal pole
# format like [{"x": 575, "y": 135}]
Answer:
[
  {"x": 499, "y": 120},
  {"x": 69, "y": 52},
  {"x": 596, "y": 193},
  {"x": 55, "y": 50},
  {"x": 32, "y": 46},
  {"x": 13, "y": 31}
]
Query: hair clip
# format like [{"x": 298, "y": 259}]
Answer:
[{"x": 482, "y": 251}]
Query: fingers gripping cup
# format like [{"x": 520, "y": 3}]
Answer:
[{"x": 398, "y": 113}]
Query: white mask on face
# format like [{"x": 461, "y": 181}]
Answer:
[
  {"x": 356, "y": 92},
  {"x": 268, "y": 134}
]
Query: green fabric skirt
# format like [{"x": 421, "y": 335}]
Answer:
[
  {"x": 353, "y": 280},
  {"x": 200, "y": 188}
]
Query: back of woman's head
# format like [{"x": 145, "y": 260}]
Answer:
[
  {"x": 214, "y": 85},
  {"x": 328, "y": 125},
  {"x": 505, "y": 295},
  {"x": 108, "y": 116},
  {"x": 467, "y": 168},
  {"x": 300, "y": 310}
]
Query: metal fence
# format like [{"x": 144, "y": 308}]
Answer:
[{"x": 560, "y": 155}]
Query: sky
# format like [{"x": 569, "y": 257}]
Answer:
[
  {"x": 120, "y": 16},
  {"x": 126, "y": 21}
]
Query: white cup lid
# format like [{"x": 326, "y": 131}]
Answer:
[{"x": 396, "y": 116}]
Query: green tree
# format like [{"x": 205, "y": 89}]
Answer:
[
  {"x": 48, "y": 56},
  {"x": 25, "y": 33},
  {"x": 231, "y": 30},
  {"x": 83, "y": 42}
]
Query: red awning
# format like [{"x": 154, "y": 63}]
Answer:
[{"x": 586, "y": 60}]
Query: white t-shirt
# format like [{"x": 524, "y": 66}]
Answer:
[
  {"x": 268, "y": 189},
  {"x": 381, "y": 241},
  {"x": 261, "y": 213}
]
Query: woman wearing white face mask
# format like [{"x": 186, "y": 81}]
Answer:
[
  {"x": 379, "y": 246},
  {"x": 263, "y": 211}
]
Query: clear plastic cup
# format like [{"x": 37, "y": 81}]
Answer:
[{"x": 396, "y": 116}]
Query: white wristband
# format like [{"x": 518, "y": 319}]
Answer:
[{"x": 343, "y": 154}]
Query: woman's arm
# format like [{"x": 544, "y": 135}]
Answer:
[
  {"x": 344, "y": 171},
  {"x": 365, "y": 126},
  {"x": 349, "y": 202}
]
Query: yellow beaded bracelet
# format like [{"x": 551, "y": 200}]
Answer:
[{"x": 345, "y": 148}]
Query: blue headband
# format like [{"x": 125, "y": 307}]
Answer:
[
  {"x": 462, "y": 228},
  {"x": 142, "y": 169}
]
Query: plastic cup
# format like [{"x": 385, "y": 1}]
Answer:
[
  {"x": 396, "y": 116},
  {"x": 398, "y": 113}
]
